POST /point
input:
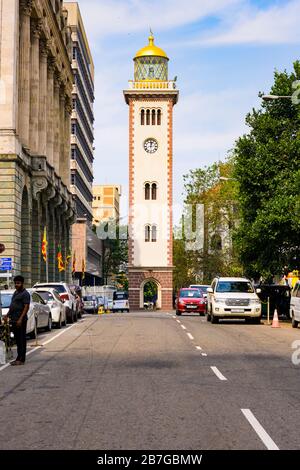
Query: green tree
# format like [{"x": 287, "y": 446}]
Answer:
[
  {"x": 267, "y": 162},
  {"x": 115, "y": 256}
]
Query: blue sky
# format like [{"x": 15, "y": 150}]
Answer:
[{"x": 223, "y": 52}]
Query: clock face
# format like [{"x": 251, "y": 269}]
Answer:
[{"x": 151, "y": 145}]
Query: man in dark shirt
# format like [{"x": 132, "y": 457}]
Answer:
[{"x": 18, "y": 317}]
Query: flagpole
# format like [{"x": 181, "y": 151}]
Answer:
[{"x": 47, "y": 265}]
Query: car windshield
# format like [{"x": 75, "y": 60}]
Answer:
[
  {"x": 46, "y": 296},
  {"x": 120, "y": 296},
  {"x": 235, "y": 286},
  {"x": 202, "y": 288},
  {"x": 6, "y": 300},
  {"x": 88, "y": 298},
  {"x": 195, "y": 294},
  {"x": 60, "y": 288}
]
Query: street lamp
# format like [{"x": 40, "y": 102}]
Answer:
[{"x": 275, "y": 97}]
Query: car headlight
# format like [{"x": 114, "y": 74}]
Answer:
[
  {"x": 255, "y": 302},
  {"x": 220, "y": 301}
]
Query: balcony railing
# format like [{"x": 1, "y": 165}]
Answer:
[{"x": 152, "y": 85}]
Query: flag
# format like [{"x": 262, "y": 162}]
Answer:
[
  {"x": 69, "y": 256},
  {"x": 74, "y": 264},
  {"x": 83, "y": 269},
  {"x": 60, "y": 262},
  {"x": 44, "y": 245}
]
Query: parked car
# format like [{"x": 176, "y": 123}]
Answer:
[
  {"x": 57, "y": 307},
  {"x": 233, "y": 297},
  {"x": 39, "y": 314},
  {"x": 77, "y": 292},
  {"x": 295, "y": 305},
  {"x": 90, "y": 304},
  {"x": 190, "y": 300},
  {"x": 66, "y": 296},
  {"x": 120, "y": 302}
]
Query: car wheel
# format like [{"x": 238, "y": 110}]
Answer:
[
  {"x": 214, "y": 319},
  {"x": 256, "y": 320},
  {"x": 49, "y": 326},
  {"x": 178, "y": 313},
  {"x": 295, "y": 323},
  {"x": 75, "y": 317},
  {"x": 208, "y": 318},
  {"x": 71, "y": 316},
  {"x": 33, "y": 334}
]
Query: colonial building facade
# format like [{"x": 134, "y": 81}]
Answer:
[
  {"x": 151, "y": 98},
  {"x": 35, "y": 111}
]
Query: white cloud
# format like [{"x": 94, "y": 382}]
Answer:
[
  {"x": 107, "y": 17},
  {"x": 275, "y": 25}
]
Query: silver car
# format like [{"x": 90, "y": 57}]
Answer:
[
  {"x": 39, "y": 314},
  {"x": 57, "y": 307}
]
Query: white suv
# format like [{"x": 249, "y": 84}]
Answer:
[
  {"x": 232, "y": 297},
  {"x": 66, "y": 296},
  {"x": 295, "y": 305}
]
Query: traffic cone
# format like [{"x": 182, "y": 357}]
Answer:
[{"x": 275, "y": 323}]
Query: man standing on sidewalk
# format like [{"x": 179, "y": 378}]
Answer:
[{"x": 17, "y": 315}]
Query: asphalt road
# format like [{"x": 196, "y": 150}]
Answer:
[{"x": 153, "y": 381}]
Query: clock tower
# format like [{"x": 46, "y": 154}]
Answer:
[{"x": 151, "y": 97}]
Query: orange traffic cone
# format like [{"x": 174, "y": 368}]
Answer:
[{"x": 275, "y": 323}]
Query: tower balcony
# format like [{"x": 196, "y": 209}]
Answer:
[{"x": 152, "y": 85}]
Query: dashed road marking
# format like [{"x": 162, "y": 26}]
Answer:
[
  {"x": 260, "y": 431},
  {"x": 199, "y": 348},
  {"x": 190, "y": 336},
  {"x": 218, "y": 373},
  {"x": 204, "y": 354},
  {"x": 178, "y": 321},
  {"x": 183, "y": 327}
]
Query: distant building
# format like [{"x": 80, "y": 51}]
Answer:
[
  {"x": 87, "y": 248},
  {"x": 106, "y": 203},
  {"x": 82, "y": 119}
]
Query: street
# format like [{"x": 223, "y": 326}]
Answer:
[{"x": 152, "y": 380}]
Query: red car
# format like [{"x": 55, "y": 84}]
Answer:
[{"x": 190, "y": 300}]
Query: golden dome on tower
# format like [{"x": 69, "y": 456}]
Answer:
[{"x": 151, "y": 50}]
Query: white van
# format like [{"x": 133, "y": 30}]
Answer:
[{"x": 295, "y": 305}]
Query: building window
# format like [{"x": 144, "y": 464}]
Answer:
[
  {"x": 147, "y": 191},
  {"x": 147, "y": 233},
  {"x": 73, "y": 129},
  {"x": 154, "y": 192},
  {"x": 153, "y": 117},
  {"x": 148, "y": 117},
  {"x": 154, "y": 234},
  {"x": 143, "y": 117},
  {"x": 158, "y": 117}
]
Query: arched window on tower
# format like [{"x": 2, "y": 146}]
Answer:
[
  {"x": 147, "y": 233},
  {"x": 148, "y": 117},
  {"x": 147, "y": 191},
  {"x": 143, "y": 117},
  {"x": 216, "y": 242},
  {"x": 154, "y": 192},
  {"x": 154, "y": 234},
  {"x": 159, "y": 117},
  {"x": 153, "y": 117}
]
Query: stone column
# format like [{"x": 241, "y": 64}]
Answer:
[
  {"x": 43, "y": 100},
  {"x": 62, "y": 135},
  {"x": 50, "y": 112},
  {"x": 24, "y": 71},
  {"x": 56, "y": 120},
  {"x": 35, "y": 87},
  {"x": 67, "y": 172}
]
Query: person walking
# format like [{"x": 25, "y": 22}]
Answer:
[{"x": 17, "y": 315}]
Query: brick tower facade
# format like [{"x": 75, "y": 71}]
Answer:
[{"x": 151, "y": 98}]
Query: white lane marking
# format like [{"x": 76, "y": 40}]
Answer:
[
  {"x": 204, "y": 354},
  {"x": 263, "y": 435},
  {"x": 174, "y": 316},
  {"x": 183, "y": 327},
  {"x": 199, "y": 348},
  {"x": 44, "y": 344},
  {"x": 190, "y": 336},
  {"x": 58, "y": 335},
  {"x": 178, "y": 321},
  {"x": 218, "y": 373}
]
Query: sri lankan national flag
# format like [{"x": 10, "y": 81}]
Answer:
[
  {"x": 60, "y": 262},
  {"x": 44, "y": 245},
  {"x": 69, "y": 256}
]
